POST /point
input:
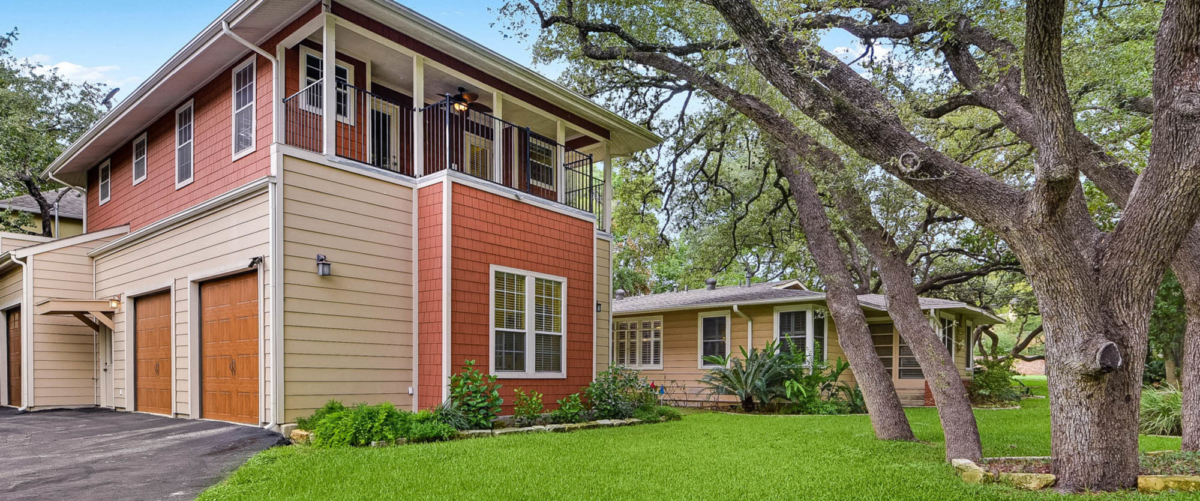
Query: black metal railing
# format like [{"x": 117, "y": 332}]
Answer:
[{"x": 376, "y": 131}]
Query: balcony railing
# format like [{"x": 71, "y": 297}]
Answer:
[{"x": 375, "y": 131}]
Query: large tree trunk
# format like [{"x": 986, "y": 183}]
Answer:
[
  {"x": 1190, "y": 380},
  {"x": 883, "y": 404},
  {"x": 953, "y": 403}
]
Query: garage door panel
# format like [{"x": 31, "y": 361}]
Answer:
[
  {"x": 229, "y": 349},
  {"x": 152, "y": 351}
]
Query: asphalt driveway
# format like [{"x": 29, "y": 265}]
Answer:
[{"x": 102, "y": 454}]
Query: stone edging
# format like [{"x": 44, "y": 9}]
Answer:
[
  {"x": 301, "y": 436},
  {"x": 972, "y": 473}
]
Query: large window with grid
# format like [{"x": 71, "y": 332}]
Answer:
[
  {"x": 638, "y": 343},
  {"x": 343, "y": 76},
  {"x": 793, "y": 324},
  {"x": 184, "y": 153},
  {"x": 528, "y": 311},
  {"x": 243, "y": 108}
]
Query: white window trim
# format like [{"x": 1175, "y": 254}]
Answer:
[
  {"x": 553, "y": 170},
  {"x": 701, "y": 364},
  {"x": 145, "y": 158},
  {"x": 809, "y": 338},
  {"x": 937, "y": 327},
  {"x": 106, "y": 166},
  {"x": 253, "y": 64},
  {"x": 530, "y": 371},
  {"x": 968, "y": 343},
  {"x": 661, "y": 342},
  {"x": 309, "y": 51},
  {"x": 192, "y": 151}
]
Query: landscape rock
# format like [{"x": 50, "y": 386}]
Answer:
[
  {"x": 556, "y": 428},
  {"x": 474, "y": 433},
  {"x": 300, "y": 436},
  {"x": 379, "y": 443},
  {"x": 1028, "y": 481},
  {"x": 633, "y": 421},
  {"x": 286, "y": 429},
  {"x": 1160, "y": 483},
  {"x": 970, "y": 472},
  {"x": 605, "y": 422}
]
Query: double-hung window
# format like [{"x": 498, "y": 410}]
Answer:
[
  {"x": 714, "y": 336},
  {"x": 139, "y": 159},
  {"x": 946, "y": 332},
  {"x": 793, "y": 324},
  {"x": 243, "y": 108},
  {"x": 184, "y": 131},
  {"x": 638, "y": 343},
  {"x": 312, "y": 73},
  {"x": 528, "y": 324},
  {"x": 105, "y": 181}
]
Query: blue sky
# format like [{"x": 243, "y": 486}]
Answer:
[{"x": 121, "y": 42}]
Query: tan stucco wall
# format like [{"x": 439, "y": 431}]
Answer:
[
  {"x": 681, "y": 372},
  {"x": 64, "y": 349},
  {"x": 603, "y": 296},
  {"x": 349, "y": 336},
  {"x": 224, "y": 239}
]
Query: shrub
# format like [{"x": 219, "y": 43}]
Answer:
[
  {"x": 430, "y": 431},
  {"x": 570, "y": 410},
  {"x": 668, "y": 413},
  {"x": 450, "y": 414},
  {"x": 360, "y": 425},
  {"x": 648, "y": 415},
  {"x": 309, "y": 423},
  {"x": 993, "y": 382},
  {"x": 1162, "y": 411},
  {"x": 528, "y": 407},
  {"x": 476, "y": 395},
  {"x": 758, "y": 377},
  {"x": 617, "y": 392}
]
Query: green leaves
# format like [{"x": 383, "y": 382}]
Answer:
[{"x": 476, "y": 395}]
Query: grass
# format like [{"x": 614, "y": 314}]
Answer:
[{"x": 705, "y": 456}]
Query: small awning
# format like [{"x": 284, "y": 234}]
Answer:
[{"x": 101, "y": 309}]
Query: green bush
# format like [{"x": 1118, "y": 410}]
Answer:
[
  {"x": 668, "y": 413},
  {"x": 617, "y": 392},
  {"x": 427, "y": 428},
  {"x": 570, "y": 410},
  {"x": 450, "y": 414},
  {"x": 758, "y": 377},
  {"x": 310, "y": 422},
  {"x": 527, "y": 408},
  {"x": 1162, "y": 411},
  {"x": 476, "y": 395},
  {"x": 993, "y": 382},
  {"x": 360, "y": 425}
]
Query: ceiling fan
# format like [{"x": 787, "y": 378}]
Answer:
[{"x": 468, "y": 100}]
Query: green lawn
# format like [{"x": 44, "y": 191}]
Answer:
[{"x": 705, "y": 456}]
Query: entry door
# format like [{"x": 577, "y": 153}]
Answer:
[
  {"x": 152, "y": 350},
  {"x": 14, "y": 357},
  {"x": 381, "y": 139},
  {"x": 229, "y": 349}
]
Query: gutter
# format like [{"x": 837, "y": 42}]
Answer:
[{"x": 749, "y": 326}]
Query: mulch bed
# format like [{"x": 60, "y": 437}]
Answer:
[{"x": 1169, "y": 463}]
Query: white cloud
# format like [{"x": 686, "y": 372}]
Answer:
[{"x": 110, "y": 75}]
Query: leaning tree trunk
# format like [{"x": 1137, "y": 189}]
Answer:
[
  {"x": 1190, "y": 365},
  {"x": 953, "y": 403},
  {"x": 854, "y": 336}
]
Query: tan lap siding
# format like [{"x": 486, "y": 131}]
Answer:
[
  {"x": 64, "y": 368},
  {"x": 348, "y": 335},
  {"x": 223, "y": 239},
  {"x": 603, "y": 294}
]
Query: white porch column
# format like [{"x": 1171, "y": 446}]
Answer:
[
  {"x": 607, "y": 202},
  {"x": 498, "y": 138},
  {"x": 279, "y": 94},
  {"x": 418, "y": 90},
  {"x": 329, "y": 87},
  {"x": 560, "y": 173}
]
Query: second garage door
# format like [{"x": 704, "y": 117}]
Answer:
[
  {"x": 152, "y": 350},
  {"x": 14, "y": 357},
  {"x": 229, "y": 349}
]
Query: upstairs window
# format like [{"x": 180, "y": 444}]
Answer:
[
  {"x": 312, "y": 73},
  {"x": 528, "y": 310},
  {"x": 105, "y": 182},
  {"x": 714, "y": 337},
  {"x": 638, "y": 343},
  {"x": 243, "y": 109},
  {"x": 139, "y": 159},
  {"x": 183, "y": 145},
  {"x": 541, "y": 163}
]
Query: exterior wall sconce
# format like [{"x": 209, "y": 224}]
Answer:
[
  {"x": 324, "y": 267},
  {"x": 114, "y": 302},
  {"x": 599, "y": 306}
]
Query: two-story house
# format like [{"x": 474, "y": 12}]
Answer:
[{"x": 261, "y": 238}]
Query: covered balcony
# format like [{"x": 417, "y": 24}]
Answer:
[{"x": 458, "y": 124}]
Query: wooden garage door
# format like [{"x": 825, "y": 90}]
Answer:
[
  {"x": 229, "y": 349},
  {"x": 152, "y": 335},
  {"x": 14, "y": 357}
]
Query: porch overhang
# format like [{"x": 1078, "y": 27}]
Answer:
[{"x": 100, "y": 309}]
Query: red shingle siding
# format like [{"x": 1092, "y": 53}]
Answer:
[
  {"x": 490, "y": 229},
  {"x": 215, "y": 171},
  {"x": 429, "y": 276}
]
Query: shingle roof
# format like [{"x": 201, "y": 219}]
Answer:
[
  {"x": 767, "y": 292},
  {"x": 71, "y": 205}
]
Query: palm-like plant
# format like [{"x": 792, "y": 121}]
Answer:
[{"x": 759, "y": 376}]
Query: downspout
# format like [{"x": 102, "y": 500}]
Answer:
[
  {"x": 749, "y": 327},
  {"x": 26, "y": 397},
  {"x": 274, "y": 74}
]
